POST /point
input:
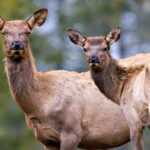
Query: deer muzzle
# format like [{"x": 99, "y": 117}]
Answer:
[
  {"x": 16, "y": 45},
  {"x": 93, "y": 60}
]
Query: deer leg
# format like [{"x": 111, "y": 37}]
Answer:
[
  {"x": 134, "y": 122},
  {"x": 69, "y": 141},
  {"x": 51, "y": 148},
  {"x": 136, "y": 137}
]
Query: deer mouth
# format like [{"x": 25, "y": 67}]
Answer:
[
  {"x": 94, "y": 64},
  {"x": 17, "y": 54}
]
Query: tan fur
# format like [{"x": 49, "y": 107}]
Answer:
[
  {"x": 62, "y": 101},
  {"x": 127, "y": 84},
  {"x": 124, "y": 81},
  {"x": 63, "y": 109},
  {"x": 130, "y": 93}
]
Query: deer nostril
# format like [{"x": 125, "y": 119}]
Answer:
[
  {"x": 16, "y": 45},
  {"x": 93, "y": 59}
]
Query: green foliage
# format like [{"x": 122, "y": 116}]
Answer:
[{"x": 14, "y": 135}]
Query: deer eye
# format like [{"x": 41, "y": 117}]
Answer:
[
  {"x": 105, "y": 48},
  {"x": 85, "y": 49}
]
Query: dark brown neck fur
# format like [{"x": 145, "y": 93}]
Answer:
[
  {"x": 21, "y": 77},
  {"x": 112, "y": 78}
]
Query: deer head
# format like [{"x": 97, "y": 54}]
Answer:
[
  {"x": 96, "y": 48},
  {"x": 16, "y": 34}
]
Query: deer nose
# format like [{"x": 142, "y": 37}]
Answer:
[
  {"x": 93, "y": 59},
  {"x": 16, "y": 45}
]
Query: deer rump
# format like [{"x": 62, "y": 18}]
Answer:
[{"x": 136, "y": 94}]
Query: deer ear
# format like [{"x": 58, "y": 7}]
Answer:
[
  {"x": 113, "y": 35},
  {"x": 76, "y": 37},
  {"x": 38, "y": 18},
  {"x": 1, "y": 23}
]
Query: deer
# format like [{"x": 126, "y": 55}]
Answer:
[
  {"x": 126, "y": 84},
  {"x": 63, "y": 109}
]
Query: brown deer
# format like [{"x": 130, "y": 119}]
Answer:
[
  {"x": 127, "y": 84},
  {"x": 63, "y": 109}
]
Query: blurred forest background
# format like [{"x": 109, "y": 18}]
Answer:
[{"x": 53, "y": 50}]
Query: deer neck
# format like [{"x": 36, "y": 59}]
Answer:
[
  {"x": 110, "y": 79},
  {"x": 21, "y": 77}
]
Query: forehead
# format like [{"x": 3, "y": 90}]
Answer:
[
  {"x": 95, "y": 41},
  {"x": 16, "y": 25}
]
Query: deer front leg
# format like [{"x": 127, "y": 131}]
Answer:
[
  {"x": 134, "y": 122},
  {"x": 136, "y": 136},
  {"x": 69, "y": 141},
  {"x": 51, "y": 148}
]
